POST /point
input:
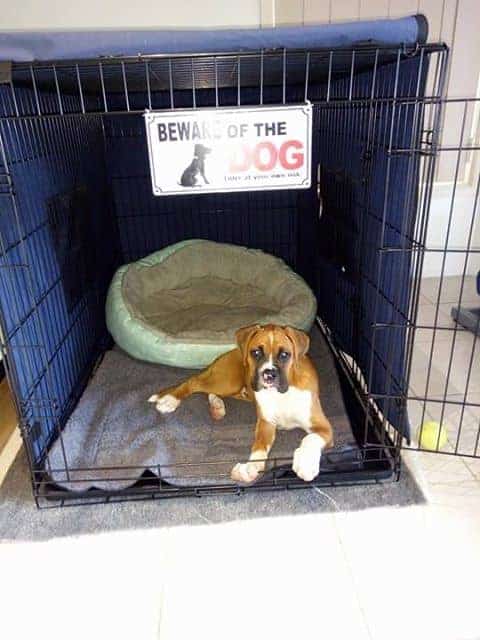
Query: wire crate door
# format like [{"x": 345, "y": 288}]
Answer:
[{"x": 444, "y": 384}]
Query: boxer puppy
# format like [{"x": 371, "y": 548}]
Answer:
[{"x": 271, "y": 368}]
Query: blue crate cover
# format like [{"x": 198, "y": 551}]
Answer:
[
  {"x": 55, "y": 327},
  {"x": 58, "y": 45}
]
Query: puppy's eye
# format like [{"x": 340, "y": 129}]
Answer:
[
  {"x": 283, "y": 356},
  {"x": 257, "y": 353}
]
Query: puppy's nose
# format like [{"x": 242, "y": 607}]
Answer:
[{"x": 269, "y": 375}]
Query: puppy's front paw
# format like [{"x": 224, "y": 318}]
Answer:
[
  {"x": 306, "y": 459},
  {"x": 165, "y": 404},
  {"x": 245, "y": 473},
  {"x": 306, "y": 463}
]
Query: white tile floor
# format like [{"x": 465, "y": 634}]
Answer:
[{"x": 383, "y": 574}]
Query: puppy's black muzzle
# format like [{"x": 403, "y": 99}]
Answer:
[
  {"x": 270, "y": 375},
  {"x": 271, "y": 378}
]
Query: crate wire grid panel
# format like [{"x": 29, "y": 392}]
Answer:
[{"x": 62, "y": 115}]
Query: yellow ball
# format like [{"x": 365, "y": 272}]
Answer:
[{"x": 432, "y": 436}]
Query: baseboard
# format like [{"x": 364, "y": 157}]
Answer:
[{"x": 9, "y": 453}]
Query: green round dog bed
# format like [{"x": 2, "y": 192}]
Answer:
[{"x": 182, "y": 305}]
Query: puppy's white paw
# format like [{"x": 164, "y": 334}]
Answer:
[
  {"x": 217, "y": 406},
  {"x": 166, "y": 404},
  {"x": 245, "y": 472},
  {"x": 306, "y": 464},
  {"x": 306, "y": 459}
]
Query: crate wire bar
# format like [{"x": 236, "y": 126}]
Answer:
[{"x": 71, "y": 135}]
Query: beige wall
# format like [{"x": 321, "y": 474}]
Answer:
[
  {"x": 139, "y": 14},
  {"x": 455, "y": 22},
  {"x": 439, "y": 12},
  {"x": 71, "y": 14}
]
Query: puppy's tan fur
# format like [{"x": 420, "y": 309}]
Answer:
[{"x": 231, "y": 375}]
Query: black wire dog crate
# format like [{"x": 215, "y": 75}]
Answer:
[{"x": 76, "y": 202}]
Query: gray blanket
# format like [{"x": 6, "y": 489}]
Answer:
[{"x": 114, "y": 434}]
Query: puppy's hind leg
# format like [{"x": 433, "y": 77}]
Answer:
[
  {"x": 167, "y": 400},
  {"x": 222, "y": 379}
]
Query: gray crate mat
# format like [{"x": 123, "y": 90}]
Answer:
[{"x": 113, "y": 428}]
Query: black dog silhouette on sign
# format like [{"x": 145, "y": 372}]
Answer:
[{"x": 196, "y": 168}]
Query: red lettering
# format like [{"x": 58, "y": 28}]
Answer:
[
  {"x": 240, "y": 161},
  {"x": 264, "y": 156},
  {"x": 265, "y": 164},
  {"x": 296, "y": 159}
]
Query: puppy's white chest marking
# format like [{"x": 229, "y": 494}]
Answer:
[{"x": 286, "y": 410}]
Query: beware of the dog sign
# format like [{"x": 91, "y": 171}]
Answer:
[{"x": 229, "y": 149}]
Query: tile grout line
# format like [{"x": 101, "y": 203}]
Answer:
[{"x": 346, "y": 558}]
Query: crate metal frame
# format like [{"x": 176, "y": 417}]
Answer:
[{"x": 43, "y": 97}]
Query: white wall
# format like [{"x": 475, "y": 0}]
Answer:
[
  {"x": 122, "y": 14},
  {"x": 460, "y": 211},
  {"x": 154, "y": 14},
  {"x": 440, "y": 13}
]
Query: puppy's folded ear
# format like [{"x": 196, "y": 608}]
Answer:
[
  {"x": 243, "y": 336},
  {"x": 300, "y": 341}
]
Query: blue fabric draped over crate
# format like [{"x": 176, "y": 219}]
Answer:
[
  {"x": 61, "y": 45},
  {"x": 357, "y": 257}
]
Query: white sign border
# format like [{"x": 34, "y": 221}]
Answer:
[{"x": 306, "y": 106}]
